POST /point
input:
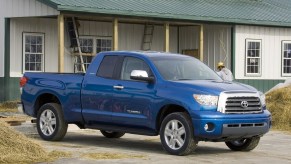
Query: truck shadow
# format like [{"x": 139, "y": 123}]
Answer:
[{"x": 136, "y": 143}]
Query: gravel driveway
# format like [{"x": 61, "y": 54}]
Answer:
[{"x": 274, "y": 148}]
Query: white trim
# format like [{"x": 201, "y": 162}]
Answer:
[
  {"x": 23, "y": 51},
  {"x": 282, "y": 59},
  {"x": 259, "y": 58}
]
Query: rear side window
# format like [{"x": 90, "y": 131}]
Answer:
[{"x": 106, "y": 68}]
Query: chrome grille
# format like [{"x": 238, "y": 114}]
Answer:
[{"x": 243, "y": 105}]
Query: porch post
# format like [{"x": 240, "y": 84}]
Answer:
[
  {"x": 115, "y": 34},
  {"x": 167, "y": 37},
  {"x": 61, "y": 43},
  {"x": 201, "y": 43}
]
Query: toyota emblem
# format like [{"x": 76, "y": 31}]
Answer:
[{"x": 244, "y": 104}]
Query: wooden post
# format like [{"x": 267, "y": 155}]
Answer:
[
  {"x": 61, "y": 43},
  {"x": 201, "y": 44},
  {"x": 167, "y": 37},
  {"x": 115, "y": 34}
]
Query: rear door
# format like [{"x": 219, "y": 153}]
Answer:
[{"x": 97, "y": 92}]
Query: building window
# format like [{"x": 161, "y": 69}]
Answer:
[
  {"x": 86, "y": 45},
  {"x": 103, "y": 44},
  {"x": 253, "y": 57},
  {"x": 33, "y": 52},
  {"x": 286, "y": 58},
  {"x": 91, "y": 45}
]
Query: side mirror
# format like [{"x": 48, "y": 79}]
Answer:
[{"x": 141, "y": 75}]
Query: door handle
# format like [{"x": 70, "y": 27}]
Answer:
[{"x": 118, "y": 87}]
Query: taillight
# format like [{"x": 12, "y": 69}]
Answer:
[{"x": 23, "y": 81}]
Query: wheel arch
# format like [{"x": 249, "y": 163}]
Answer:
[
  {"x": 43, "y": 99},
  {"x": 166, "y": 110}
]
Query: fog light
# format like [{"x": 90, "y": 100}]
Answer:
[
  {"x": 209, "y": 127},
  {"x": 206, "y": 127}
]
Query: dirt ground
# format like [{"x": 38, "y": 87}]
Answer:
[{"x": 274, "y": 148}]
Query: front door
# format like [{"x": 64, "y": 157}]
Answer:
[{"x": 133, "y": 100}]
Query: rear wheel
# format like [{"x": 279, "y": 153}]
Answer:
[
  {"x": 51, "y": 125},
  {"x": 246, "y": 144},
  {"x": 176, "y": 134},
  {"x": 111, "y": 134}
]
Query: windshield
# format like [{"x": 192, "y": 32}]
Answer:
[{"x": 183, "y": 68}]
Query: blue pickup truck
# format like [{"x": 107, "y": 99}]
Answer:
[{"x": 148, "y": 93}]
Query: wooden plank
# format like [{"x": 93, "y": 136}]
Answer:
[
  {"x": 167, "y": 37},
  {"x": 115, "y": 34},
  {"x": 61, "y": 43},
  {"x": 201, "y": 45}
]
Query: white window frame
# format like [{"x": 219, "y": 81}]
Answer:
[
  {"x": 282, "y": 57},
  {"x": 42, "y": 54},
  {"x": 94, "y": 52},
  {"x": 259, "y": 58}
]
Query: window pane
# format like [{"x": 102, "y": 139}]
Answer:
[
  {"x": 38, "y": 58},
  {"x": 98, "y": 42},
  {"x": 26, "y": 66},
  {"x": 27, "y": 39},
  {"x": 33, "y": 39},
  {"x": 98, "y": 49},
  {"x": 289, "y": 46},
  {"x": 26, "y": 58},
  {"x": 27, "y": 48},
  {"x": 107, "y": 66},
  {"x": 38, "y": 66},
  {"x": 33, "y": 48},
  {"x": 257, "y": 53},
  {"x": 39, "y": 40},
  {"x": 32, "y": 66},
  {"x": 108, "y": 43},
  {"x": 32, "y": 58},
  {"x": 39, "y": 48}
]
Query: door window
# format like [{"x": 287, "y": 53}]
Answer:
[{"x": 130, "y": 64}]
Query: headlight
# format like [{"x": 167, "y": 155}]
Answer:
[
  {"x": 208, "y": 100},
  {"x": 263, "y": 99}
]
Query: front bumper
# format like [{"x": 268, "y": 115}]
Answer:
[{"x": 223, "y": 127}]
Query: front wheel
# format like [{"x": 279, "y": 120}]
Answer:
[
  {"x": 176, "y": 134},
  {"x": 51, "y": 125},
  {"x": 111, "y": 134},
  {"x": 246, "y": 144}
]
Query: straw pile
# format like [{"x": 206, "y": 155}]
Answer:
[
  {"x": 17, "y": 148},
  {"x": 279, "y": 104},
  {"x": 10, "y": 106},
  {"x": 108, "y": 155}
]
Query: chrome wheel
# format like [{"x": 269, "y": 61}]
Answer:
[
  {"x": 47, "y": 122},
  {"x": 175, "y": 134}
]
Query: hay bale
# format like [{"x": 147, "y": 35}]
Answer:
[
  {"x": 15, "y": 147},
  {"x": 279, "y": 103},
  {"x": 9, "y": 106}
]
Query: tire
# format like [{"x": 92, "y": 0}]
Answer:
[
  {"x": 177, "y": 134},
  {"x": 110, "y": 134},
  {"x": 51, "y": 125},
  {"x": 246, "y": 144}
]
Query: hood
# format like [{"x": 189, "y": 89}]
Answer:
[{"x": 211, "y": 86}]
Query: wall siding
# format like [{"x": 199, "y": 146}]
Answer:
[
  {"x": 271, "y": 38},
  {"x": 19, "y": 8},
  {"x": 33, "y": 25},
  {"x": 261, "y": 85}
]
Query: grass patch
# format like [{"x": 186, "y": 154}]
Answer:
[
  {"x": 17, "y": 148},
  {"x": 110, "y": 156},
  {"x": 279, "y": 104},
  {"x": 9, "y": 106}
]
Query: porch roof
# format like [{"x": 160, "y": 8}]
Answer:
[{"x": 257, "y": 12}]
